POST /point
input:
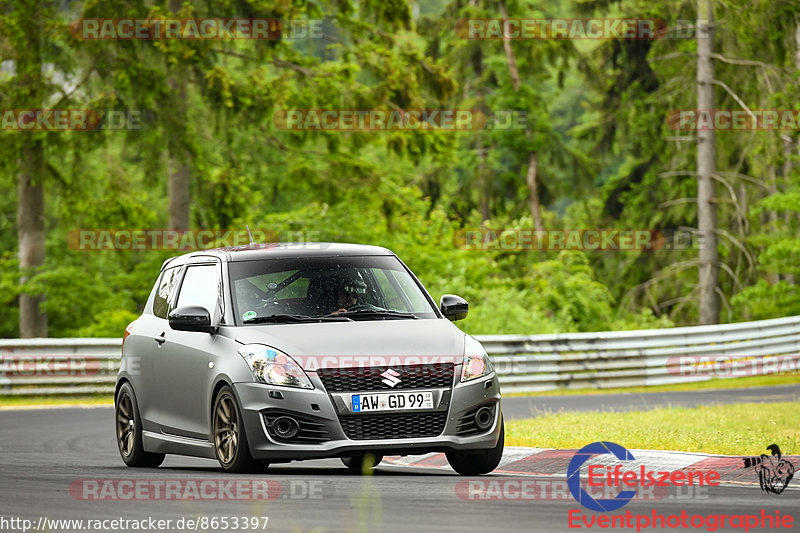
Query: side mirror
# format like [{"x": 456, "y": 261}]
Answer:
[
  {"x": 191, "y": 318},
  {"x": 453, "y": 307}
]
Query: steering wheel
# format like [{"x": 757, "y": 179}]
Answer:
[{"x": 359, "y": 307}]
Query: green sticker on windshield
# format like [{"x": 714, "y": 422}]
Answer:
[{"x": 248, "y": 315}]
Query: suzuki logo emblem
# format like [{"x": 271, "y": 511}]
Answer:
[{"x": 390, "y": 377}]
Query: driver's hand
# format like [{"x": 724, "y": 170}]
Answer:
[{"x": 342, "y": 310}]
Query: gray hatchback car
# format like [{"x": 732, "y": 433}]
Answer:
[{"x": 270, "y": 353}]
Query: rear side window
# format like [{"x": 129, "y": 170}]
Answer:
[
  {"x": 166, "y": 289},
  {"x": 200, "y": 287}
]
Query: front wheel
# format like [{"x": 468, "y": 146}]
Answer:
[
  {"x": 230, "y": 439},
  {"x": 478, "y": 462},
  {"x": 129, "y": 431}
]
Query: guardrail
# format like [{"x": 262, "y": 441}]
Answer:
[
  {"x": 525, "y": 363},
  {"x": 58, "y": 366}
]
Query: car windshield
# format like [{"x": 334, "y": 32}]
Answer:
[{"x": 340, "y": 288}]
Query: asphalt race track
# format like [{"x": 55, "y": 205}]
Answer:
[
  {"x": 46, "y": 453},
  {"x": 529, "y": 406}
]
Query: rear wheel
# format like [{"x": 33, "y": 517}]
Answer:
[
  {"x": 230, "y": 439},
  {"x": 129, "y": 431},
  {"x": 362, "y": 463},
  {"x": 477, "y": 462}
]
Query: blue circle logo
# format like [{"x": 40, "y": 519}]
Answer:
[{"x": 574, "y": 477}]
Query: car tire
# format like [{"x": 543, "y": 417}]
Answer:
[
  {"x": 362, "y": 463},
  {"x": 478, "y": 462},
  {"x": 129, "y": 431},
  {"x": 229, "y": 437}
]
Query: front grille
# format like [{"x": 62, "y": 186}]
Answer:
[
  {"x": 403, "y": 426},
  {"x": 466, "y": 423},
  {"x": 428, "y": 376},
  {"x": 311, "y": 430}
]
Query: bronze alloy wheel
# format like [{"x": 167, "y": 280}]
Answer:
[
  {"x": 226, "y": 429},
  {"x": 126, "y": 425},
  {"x": 230, "y": 438},
  {"x": 129, "y": 431}
]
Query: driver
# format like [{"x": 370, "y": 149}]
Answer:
[{"x": 347, "y": 292}]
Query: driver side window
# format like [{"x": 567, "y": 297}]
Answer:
[{"x": 165, "y": 292}]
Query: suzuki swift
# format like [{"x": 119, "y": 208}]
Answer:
[{"x": 271, "y": 353}]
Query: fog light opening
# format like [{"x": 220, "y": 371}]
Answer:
[
  {"x": 285, "y": 427},
  {"x": 484, "y": 417}
]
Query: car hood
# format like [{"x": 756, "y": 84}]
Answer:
[{"x": 361, "y": 343}]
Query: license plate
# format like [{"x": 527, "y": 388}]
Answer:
[{"x": 392, "y": 401}]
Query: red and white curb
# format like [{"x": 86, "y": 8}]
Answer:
[{"x": 552, "y": 463}]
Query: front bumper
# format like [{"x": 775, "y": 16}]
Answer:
[{"x": 323, "y": 411}]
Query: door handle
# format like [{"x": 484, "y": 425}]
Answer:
[{"x": 161, "y": 339}]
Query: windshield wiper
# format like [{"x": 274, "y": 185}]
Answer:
[
  {"x": 287, "y": 319},
  {"x": 377, "y": 313}
]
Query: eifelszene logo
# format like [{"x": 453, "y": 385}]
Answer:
[
  {"x": 574, "y": 477},
  {"x": 774, "y": 473},
  {"x": 633, "y": 477}
]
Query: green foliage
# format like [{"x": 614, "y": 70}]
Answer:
[
  {"x": 9, "y": 290},
  {"x": 762, "y": 300},
  {"x": 593, "y": 111}
]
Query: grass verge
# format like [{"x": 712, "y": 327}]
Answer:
[
  {"x": 711, "y": 384},
  {"x": 734, "y": 429}
]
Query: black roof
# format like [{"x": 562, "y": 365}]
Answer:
[{"x": 275, "y": 250}]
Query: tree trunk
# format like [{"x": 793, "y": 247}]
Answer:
[
  {"x": 483, "y": 181},
  {"x": 179, "y": 194},
  {"x": 797, "y": 66},
  {"x": 772, "y": 216},
  {"x": 178, "y": 188},
  {"x": 706, "y": 167},
  {"x": 482, "y": 172},
  {"x": 30, "y": 190},
  {"x": 30, "y": 233},
  {"x": 530, "y": 180},
  {"x": 797, "y": 41},
  {"x": 533, "y": 160},
  {"x": 787, "y": 168}
]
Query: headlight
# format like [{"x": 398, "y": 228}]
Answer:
[
  {"x": 476, "y": 361},
  {"x": 273, "y": 367}
]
